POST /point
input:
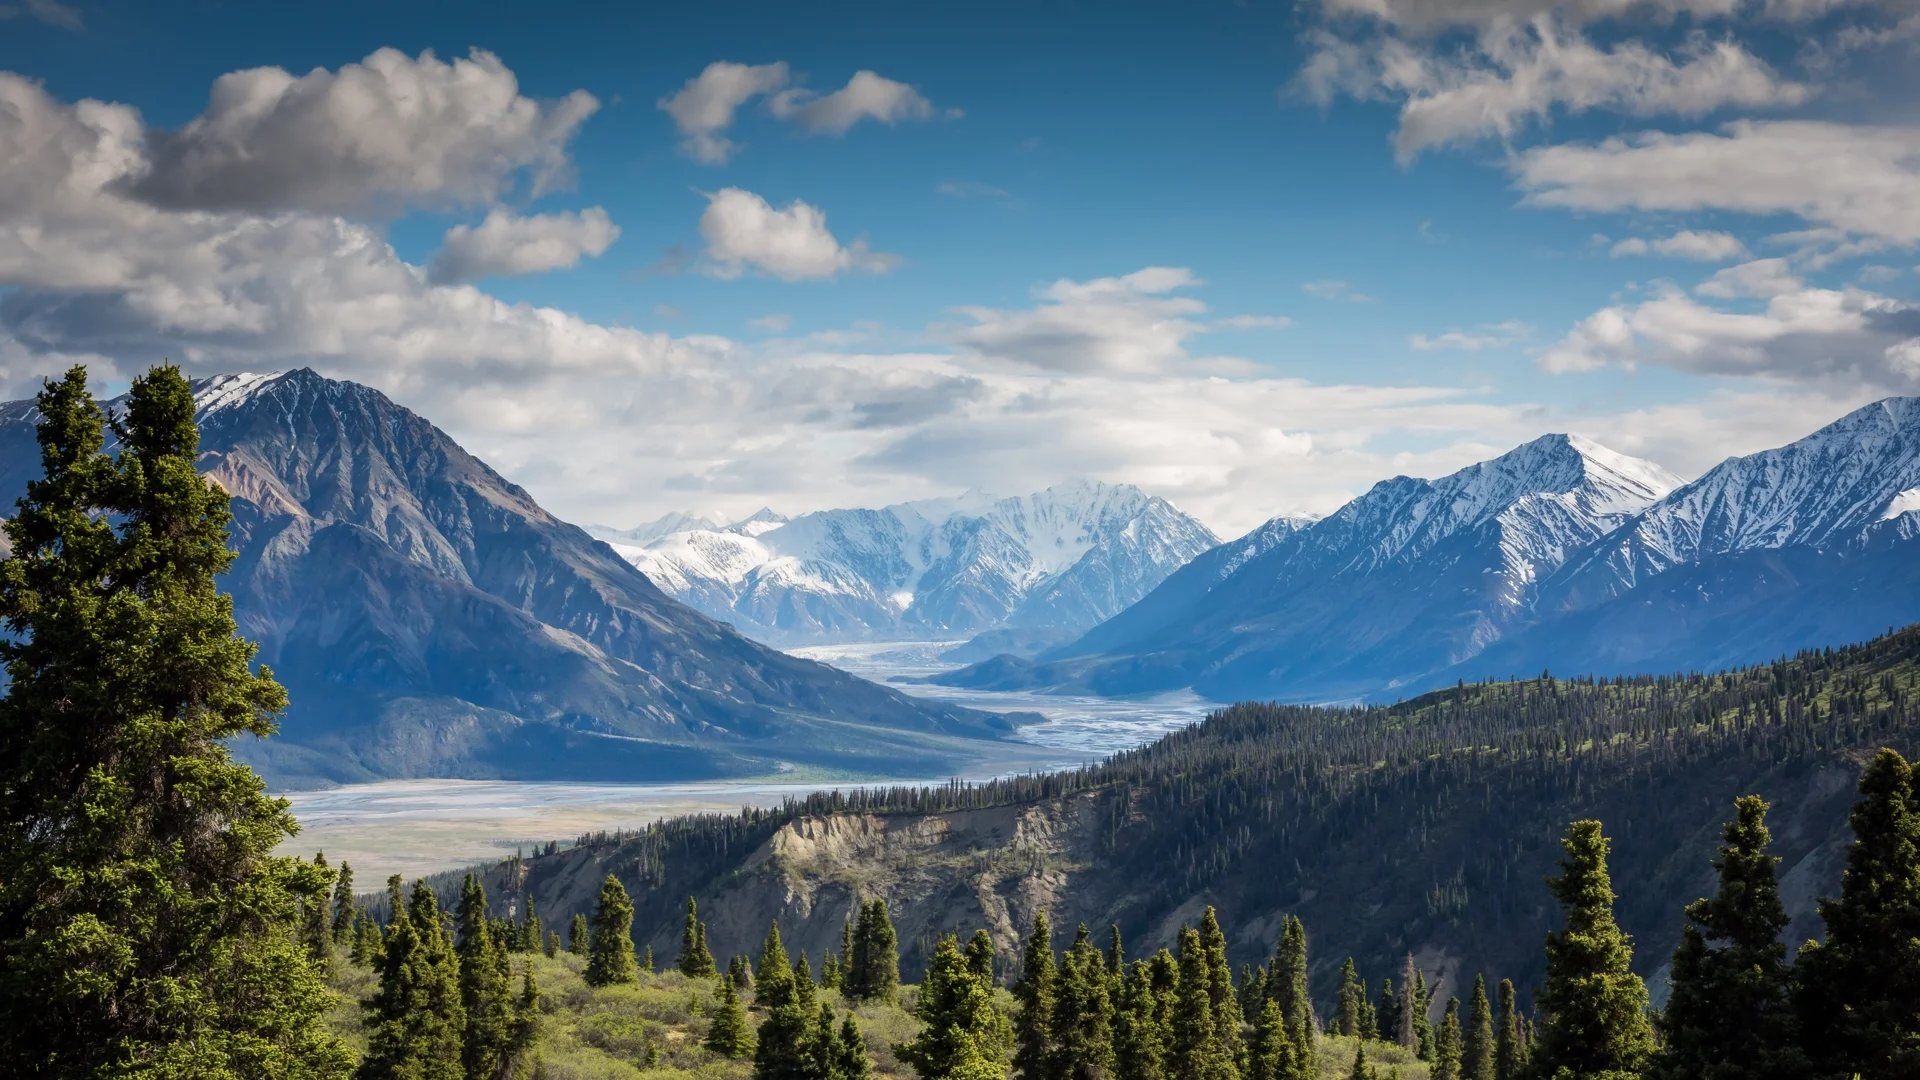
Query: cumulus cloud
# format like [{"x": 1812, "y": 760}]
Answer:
[
  {"x": 1515, "y": 74},
  {"x": 744, "y": 233},
  {"x": 51, "y": 12},
  {"x": 1847, "y": 336},
  {"x": 867, "y": 96},
  {"x": 389, "y": 132},
  {"x": 1685, "y": 244},
  {"x": 1428, "y": 16},
  {"x": 507, "y": 244},
  {"x": 1860, "y": 180},
  {"x": 705, "y": 106},
  {"x": 1117, "y": 324}
]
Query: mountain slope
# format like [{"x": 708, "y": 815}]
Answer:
[
  {"x": 1408, "y": 579},
  {"x": 430, "y": 619},
  {"x": 1062, "y": 559}
]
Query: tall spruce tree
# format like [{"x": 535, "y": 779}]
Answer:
[
  {"x": 343, "y": 910},
  {"x": 317, "y": 921},
  {"x": 1142, "y": 1028},
  {"x": 1351, "y": 1002},
  {"x": 880, "y": 956},
  {"x": 610, "y": 957},
  {"x": 727, "y": 1031},
  {"x": 980, "y": 955},
  {"x": 1198, "y": 1053},
  {"x": 1225, "y": 1003},
  {"x": 852, "y": 1063},
  {"x": 1476, "y": 1042},
  {"x": 1423, "y": 1016},
  {"x": 785, "y": 1046},
  {"x": 1082, "y": 1034},
  {"x": 959, "y": 1033},
  {"x": 1035, "y": 996},
  {"x": 1859, "y": 992},
  {"x": 1271, "y": 1054},
  {"x": 144, "y": 922},
  {"x": 1508, "y": 1058},
  {"x": 1729, "y": 1015},
  {"x": 1594, "y": 1007},
  {"x": 486, "y": 998},
  {"x": 1447, "y": 1050},
  {"x": 531, "y": 930},
  {"x": 1386, "y": 1015},
  {"x": 415, "y": 1021},
  {"x": 579, "y": 938},
  {"x": 1360, "y": 1070},
  {"x": 695, "y": 962}
]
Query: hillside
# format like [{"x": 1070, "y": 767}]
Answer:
[
  {"x": 429, "y": 618},
  {"x": 1424, "y": 826}
]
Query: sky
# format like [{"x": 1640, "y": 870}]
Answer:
[{"x": 1252, "y": 257}]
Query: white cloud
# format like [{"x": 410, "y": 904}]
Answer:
[
  {"x": 376, "y": 136},
  {"x": 776, "y": 324},
  {"x": 1426, "y": 16},
  {"x": 1863, "y": 181},
  {"x": 1519, "y": 73},
  {"x": 506, "y": 243},
  {"x": 1835, "y": 337},
  {"x": 51, "y": 12},
  {"x": 1118, "y": 324},
  {"x": 1491, "y": 336},
  {"x": 866, "y": 96},
  {"x": 1685, "y": 244},
  {"x": 1254, "y": 322},
  {"x": 744, "y": 233},
  {"x": 705, "y": 106}
]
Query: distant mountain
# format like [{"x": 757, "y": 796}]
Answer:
[
  {"x": 430, "y": 619},
  {"x": 1411, "y": 578},
  {"x": 1061, "y": 560}
]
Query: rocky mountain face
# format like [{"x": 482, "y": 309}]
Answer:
[
  {"x": 1060, "y": 560},
  {"x": 1560, "y": 555},
  {"x": 430, "y": 619},
  {"x": 1410, "y": 578}
]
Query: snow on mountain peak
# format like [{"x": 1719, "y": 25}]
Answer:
[{"x": 223, "y": 392}]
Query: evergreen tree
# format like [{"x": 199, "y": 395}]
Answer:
[
  {"x": 1142, "y": 1030},
  {"x": 1033, "y": 1023},
  {"x": 1476, "y": 1042},
  {"x": 317, "y": 925},
  {"x": 851, "y": 1063},
  {"x": 1198, "y": 1052},
  {"x": 1447, "y": 1050},
  {"x": 821, "y": 1053},
  {"x": 485, "y": 997},
  {"x": 1594, "y": 1006},
  {"x": 366, "y": 941},
  {"x": 1271, "y": 1055},
  {"x": 1360, "y": 1070},
  {"x": 1116, "y": 954},
  {"x": 853, "y": 976},
  {"x": 415, "y": 1021},
  {"x": 1386, "y": 1015},
  {"x": 578, "y": 936},
  {"x": 646, "y": 957},
  {"x": 1507, "y": 1056},
  {"x": 1287, "y": 984},
  {"x": 1407, "y": 1014},
  {"x": 1859, "y": 992},
  {"x": 526, "y": 1029},
  {"x": 1423, "y": 1016},
  {"x": 877, "y": 955},
  {"x": 785, "y": 1048},
  {"x": 144, "y": 921},
  {"x": 774, "y": 986},
  {"x": 960, "y": 1031},
  {"x": 1225, "y": 1003},
  {"x": 695, "y": 962},
  {"x": 1351, "y": 1002},
  {"x": 830, "y": 972},
  {"x": 343, "y": 905},
  {"x": 1728, "y": 1015},
  {"x": 727, "y": 1033},
  {"x": 1369, "y": 1023},
  {"x": 1082, "y": 1034},
  {"x": 740, "y": 973},
  {"x": 531, "y": 932},
  {"x": 980, "y": 956},
  {"x": 610, "y": 942}
]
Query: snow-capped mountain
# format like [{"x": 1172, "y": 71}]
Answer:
[
  {"x": 1065, "y": 558},
  {"x": 1411, "y": 577}
]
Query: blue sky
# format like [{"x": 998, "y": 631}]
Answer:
[{"x": 1252, "y": 257}]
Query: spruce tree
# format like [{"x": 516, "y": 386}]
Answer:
[
  {"x": 1594, "y": 1007},
  {"x": 695, "y": 962},
  {"x": 343, "y": 906},
  {"x": 727, "y": 1032},
  {"x": 1476, "y": 1042},
  {"x": 980, "y": 956},
  {"x": 1407, "y": 1014},
  {"x": 1116, "y": 954},
  {"x": 578, "y": 936},
  {"x": 144, "y": 921},
  {"x": 880, "y": 956},
  {"x": 1197, "y": 1050},
  {"x": 851, "y": 1062},
  {"x": 531, "y": 932},
  {"x": 1033, "y": 1024},
  {"x": 552, "y": 946},
  {"x": 1082, "y": 1034},
  {"x": 1360, "y": 1070},
  {"x": 959, "y": 1033},
  {"x": 610, "y": 942},
  {"x": 1271, "y": 1055},
  {"x": 1728, "y": 1016},
  {"x": 1386, "y": 1015},
  {"x": 1351, "y": 1002},
  {"x": 1141, "y": 1024},
  {"x": 1287, "y": 984},
  {"x": 1226, "y": 1004},
  {"x": 1423, "y": 1016},
  {"x": 821, "y": 1053},
  {"x": 784, "y": 1048},
  {"x": 415, "y": 1021},
  {"x": 526, "y": 1029},
  {"x": 853, "y": 975},
  {"x": 1859, "y": 992},
  {"x": 317, "y": 924},
  {"x": 830, "y": 972},
  {"x": 774, "y": 985},
  {"x": 1447, "y": 1050},
  {"x": 485, "y": 996},
  {"x": 1507, "y": 1056},
  {"x": 646, "y": 957}
]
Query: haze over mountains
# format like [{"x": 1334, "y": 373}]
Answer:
[
  {"x": 430, "y": 619},
  {"x": 1056, "y": 563},
  {"x": 1559, "y": 555}
]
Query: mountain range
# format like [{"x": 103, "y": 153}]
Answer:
[
  {"x": 1560, "y": 555},
  {"x": 429, "y": 618},
  {"x": 1054, "y": 563}
]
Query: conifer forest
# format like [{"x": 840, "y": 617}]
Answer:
[{"x": 1555, "y": 878}]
